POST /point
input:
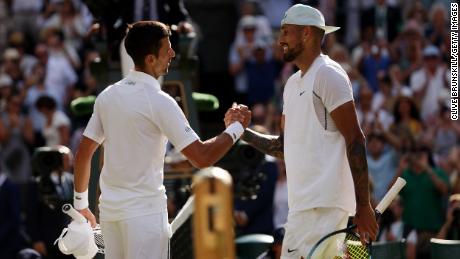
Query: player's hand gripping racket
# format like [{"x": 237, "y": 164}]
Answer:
[
  {"x": 351, "y": 247},
  {"x": 75, "y": 215}
]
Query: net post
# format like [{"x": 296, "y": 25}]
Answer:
[{"x": 213, "y": 220}]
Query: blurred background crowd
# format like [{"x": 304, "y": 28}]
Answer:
[{"x": 396, "y": 54}]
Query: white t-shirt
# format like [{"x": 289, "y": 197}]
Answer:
[
  {"x": 430, "y": 101},
  {"x": 135, "y": 119},
  {"x": 51, "y": 132},
  {"x": 317, "y": 169},
  {"x": 60, "y": 76}
]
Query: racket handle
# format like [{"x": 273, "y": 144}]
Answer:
[
  {"x": 73, "y": 213},
  {"x": 390, "y": 195}
]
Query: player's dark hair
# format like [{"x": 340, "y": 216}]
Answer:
[{"x": 144, "y": 38}]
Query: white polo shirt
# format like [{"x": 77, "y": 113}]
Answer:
[
  {"x": 318, "y": 173},
  {"x": 135, "y": 119}
]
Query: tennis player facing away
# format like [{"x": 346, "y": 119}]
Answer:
[
  {"x": 134, "y": 119},
  {"x": 322, "y": 143}
]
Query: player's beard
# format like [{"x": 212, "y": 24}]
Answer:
[{"x": 292, "y": 53}]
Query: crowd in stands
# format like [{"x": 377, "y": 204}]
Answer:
[{"x": 396, "y": 54}]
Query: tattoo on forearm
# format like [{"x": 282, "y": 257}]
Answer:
[
  {"x": 356, "y": 152},
  {"x": 271, "y": 145}
]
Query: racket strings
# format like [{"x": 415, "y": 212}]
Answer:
[
  {"x": 354, "y": 249},
  {"x": 98, "y": 238}
]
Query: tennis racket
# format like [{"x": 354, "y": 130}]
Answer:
[
  {"x": 75, "y": 215},
  {"x": 348, "y": 240}
]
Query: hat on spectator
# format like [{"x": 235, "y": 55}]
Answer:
[
  {"x": 300, "y": 14},
  {"x": 454, "y": 197},
  {"x": 11, "y": 53},
  {"x": 248, "y": 22},
  {"x": 405, "y": 92},
  {"x": 431, "y": 51},
  {"x": 5, "y": 80}
]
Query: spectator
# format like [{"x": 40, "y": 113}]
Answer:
[
  {"x": 383, "y": 19},
  {"x": 25, "y": 15},
  {"x": 261, "y": 71},
  {"x": 366, "y": 116},
  {"x": 385, "y": 98},
  {"x": 407, "y": 124},
  {"x": 6, "y": 85},
  {"x": 36, "y": 89},
  {"x": 438, "y": 29},
  {"x": 428, "y": 82},
  {"x": 9, "y": 217},
  {"x": 56, "y": 130},
  {"x": 68, "y": 19},
  {"x": 17, "y": 40},
  {"x": 396, "y": 230},
  {"x": 263, "y": 29},
  {"x": 444, "y": 133},
  {"x": 407, "y": 50},
  {"x": 382, "y": 162},
  {"x": 241, "y": 51},
  {"x": 60, "y": 75},
  {"x": 422, "y": 195},
  {"x": 16, "y": 135},
  {"x": 11, "y": 67},
  {"x": 451, "y": 227},
  {"x": 375, "y": 65}
]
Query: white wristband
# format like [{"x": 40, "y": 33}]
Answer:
[
  {"x": 235, "y": 130},
  {"x": 80, "y": 200}
]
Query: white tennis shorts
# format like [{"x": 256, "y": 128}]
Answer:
[
  {"x": 305, "y": 228},
  {"x": 144, "y": 237}
]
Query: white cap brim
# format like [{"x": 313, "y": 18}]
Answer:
[{"x": 328, "y": 29}]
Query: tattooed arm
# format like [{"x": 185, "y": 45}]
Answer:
[
  {"x": 347, "y": 123},
  {"x": 267, "y": 144}
]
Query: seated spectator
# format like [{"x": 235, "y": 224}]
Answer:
[
  {"x": 56, "y": 130},
  {"x": 396, "y": 230},
  {"x": 451, "y": 227}
]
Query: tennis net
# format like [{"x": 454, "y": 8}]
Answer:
[{"x": 181, "y": 243}]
